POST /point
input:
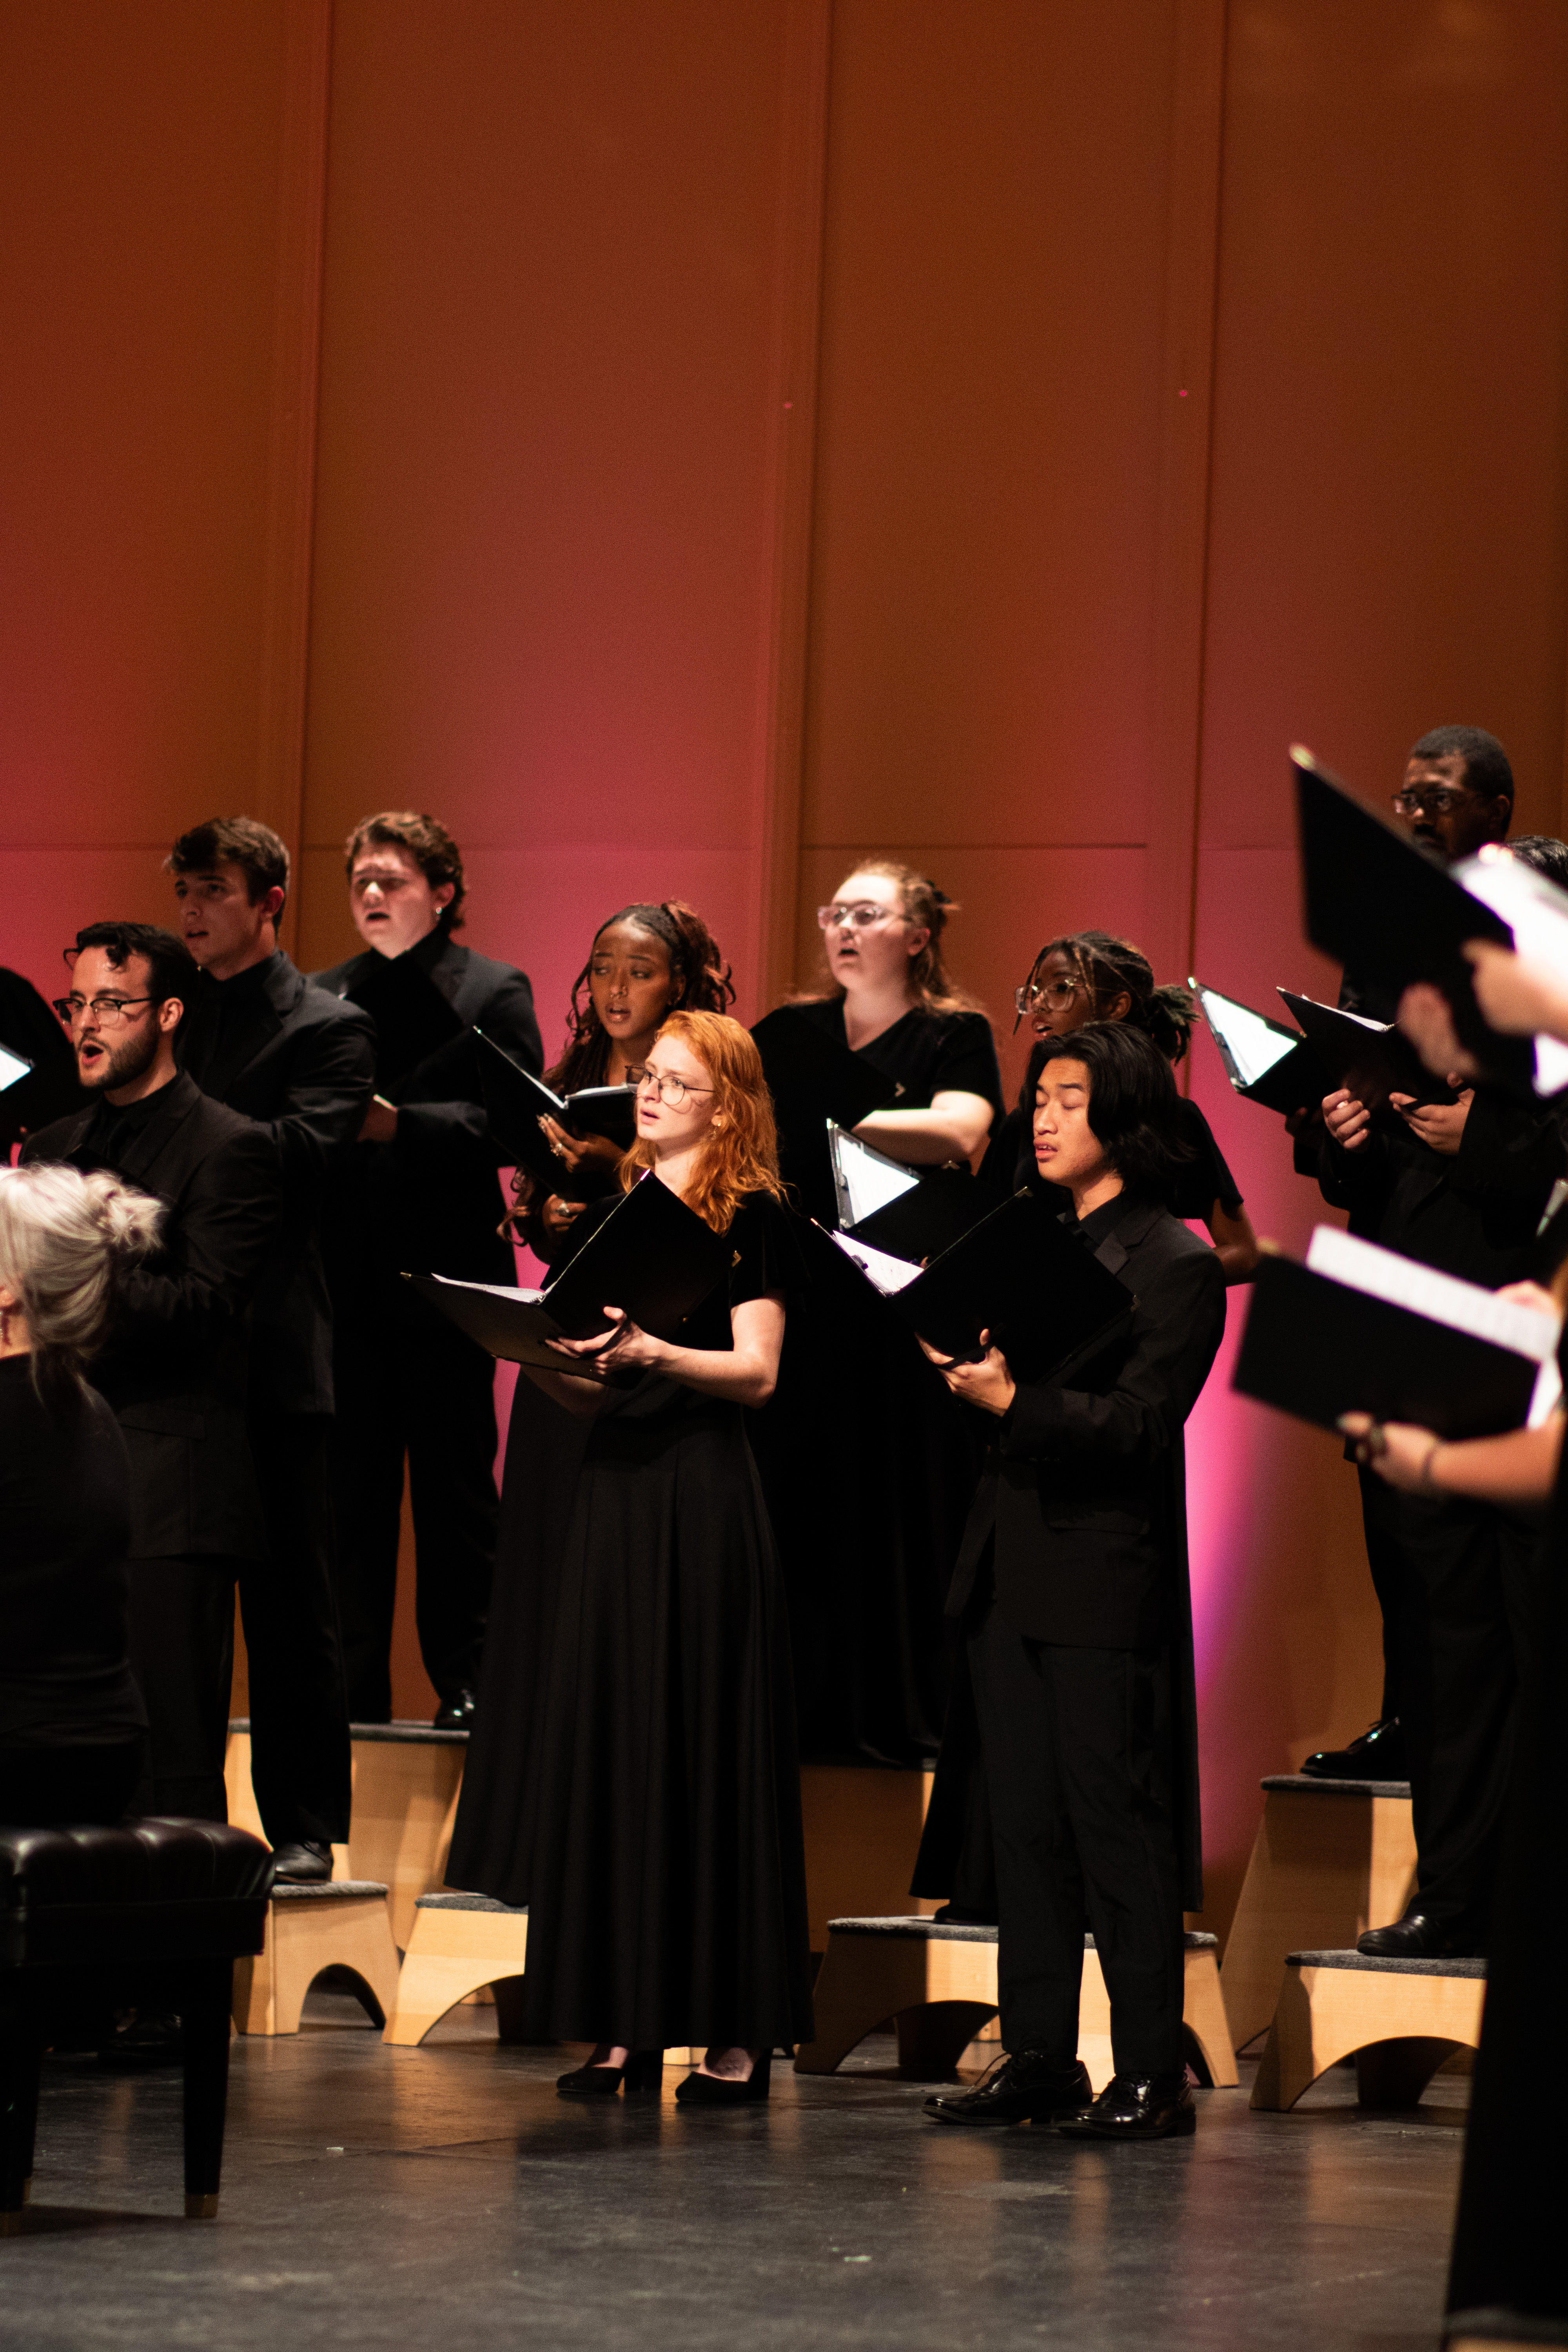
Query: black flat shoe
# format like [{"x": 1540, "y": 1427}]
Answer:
[
  {"x": 695, "y": 2090},
  {"x": 456, "y": 1711},
  {"x": 151, "y": 2038},
  {"x": 955, "y": 1914},
  {"x": 1025, "y": 2087},
  {"x": 1137, "y": 2106},
  {"x": 1377, "y": 1755},
  {"x": 1413, "y": 1937},
  {"x": 302, "y": 1861},
  {"x": 643, "y": 2072}
]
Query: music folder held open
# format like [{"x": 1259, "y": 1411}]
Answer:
[
  {"x": 1021, "y": 1275},
  {"x": 1373, "y": 1058},
  {"x": 652, "y": 1256},
  {"x": 516, "y": 1101},
  {"x": 905, "y": 1213},
  {"x": 14, "y": 1068},
  {"x": 1263, "y": 1060},
  {"x": 1358, "y": 1329}
]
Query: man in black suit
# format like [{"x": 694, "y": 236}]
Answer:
[
  {"x": 174, "y": 1369},
  {"x": 1460, "y": 1187},
  {"x": 1072, "y": 1584},
  {"x": 301, "y": 1064},
  {"x": 418, "y": 1195}
]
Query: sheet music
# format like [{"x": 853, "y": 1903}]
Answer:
[
  {"x": 868, "y": 1178},
  {"x": 888, "y": 1274},
  {"x": 12, "y": 1068},
  {"x": 1250, "y": 1044},
  {"x": 1536, "y": 911},
  {"x": 1462, "y": 1305}
]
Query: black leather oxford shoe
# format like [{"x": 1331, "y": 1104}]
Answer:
[
  {"x": 1136, "y": 2107},
  {"x": 1413, "y": 1937},
  {"x": 303, "y": 1861},
  {"x": 1024, "y": 2086},
  {"x": 456, "y": 1711},
  {"x": 1377, "y": 1755}
]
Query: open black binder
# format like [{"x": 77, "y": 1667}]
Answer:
[
  {"x": 1264, "y": 1061},
  {"x": 652, "y": 1256},
  {"x": 1392, "y": 913},
  {"x": 1315, "y": 1347},
  {"x": 1027, "y": 1279},
  {"x": 516, "y": 1101},
  {"x": 908, "y": 1213},
  {"x": 1372, "y": 1058}
]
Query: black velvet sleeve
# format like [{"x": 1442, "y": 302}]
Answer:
[{"x": 966, "y": 1060}]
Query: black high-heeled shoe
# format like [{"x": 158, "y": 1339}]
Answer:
[
  {"x": 643, "y": 2072},
  {"x": 695, "y": 2090}
]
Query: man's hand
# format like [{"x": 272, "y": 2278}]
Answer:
[
  {"x": 380, "y": 1121},
  {"x": 1440, "y": 1126},
  {"x": 1426, "y": 1018},
  {"x": 1349, "y": 1122},
  {"x": 988, "y": 1383}
]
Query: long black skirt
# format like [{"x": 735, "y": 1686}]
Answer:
[{"x": 655, "y": 1834}]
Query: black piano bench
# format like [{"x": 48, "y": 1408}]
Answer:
[{"x": 154, "y": 1915}]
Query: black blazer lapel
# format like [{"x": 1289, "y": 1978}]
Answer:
[{"x": 147, "y": 1147}]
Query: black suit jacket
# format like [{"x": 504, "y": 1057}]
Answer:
[
  {"x": 174, "y": 1369},
  {"x": 427, "y": 1203},
  {"x": 301, "y": 1064}
]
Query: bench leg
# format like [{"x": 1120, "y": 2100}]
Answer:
[
  {"x": 1394, "y": 2074},
  {"x": 934, "y": 2037},
  {"x": 21, "y": 2053},
  {"x": 1210, "y": 2052},
  {"x": 204, "y": 2017},
  {"x": 509, "y": 2026}
]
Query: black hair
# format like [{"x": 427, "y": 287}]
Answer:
[
  {"x": 260, "y": 853},
  {"x": 172, "y": 966},
  {"x": 1487, "y": 768},
  {"x": 1109, "y": 966},
  {"x": 700, "y": 977},
  {"x": 1133, "y": 1100},
  {"x": 1543, "y": 855}
]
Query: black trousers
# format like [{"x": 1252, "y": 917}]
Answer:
[
  {"x": 300, "y": 1756},
  {"x": 1078, "y": 1770},
  {"x": 46, "y": 1787},
  {"x": 1459, "y": 1574},
  {"x": 427, "y": 1392},
  {"x": 182, "y": 1652}
]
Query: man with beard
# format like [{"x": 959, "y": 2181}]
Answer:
[
  {"x": 300, "y": 1063},
  {"x": 175, "y": 1368}
]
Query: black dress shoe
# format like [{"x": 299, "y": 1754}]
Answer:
[
  {"x": 456, "y": 1711},
  {"x": 1137, "y": 2106},
  {"x": 1024, "y": 2086},
  {"x": 1378, "y": 1755},
  {"x": 644, "y": 2071},
  {"x": 1413, "y": 1937},
  {"x": 957, "y": 1915},
  {"x": 301, "y": 1860},
  {"x": 695, "y": 2090},
  {"x": 150, "y": 2038}
]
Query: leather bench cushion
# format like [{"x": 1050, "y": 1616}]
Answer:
[{"x": 158, "y": 1889}]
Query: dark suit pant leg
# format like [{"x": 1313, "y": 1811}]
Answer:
[
  {"x": 367, "y": 1449},
  {"x": 300, "y": 1757},
  {"x": 1079, "y": 1781},
  {"x": 1386, "y": 1559},
  {"x": 449, "y": 1403},
  {"x": 182, "y": 1652},
  {"x": 1460, "y": 1684}
]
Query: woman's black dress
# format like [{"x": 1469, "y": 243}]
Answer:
[
  {"x": 868, "y": 1461},
  {"x": 653, "y": 1828},
  {"x": 955, "y": 1860},
  {"x": 72, "y": 1725}
]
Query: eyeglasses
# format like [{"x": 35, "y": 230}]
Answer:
[
  {"x": 859, "y": 917},
  {"x": 109, "y": 1012},
  {"x": 666, "y": 1085},
  {"x": 1433, "y": 800},
  {"x": 1057, "y": 993}
]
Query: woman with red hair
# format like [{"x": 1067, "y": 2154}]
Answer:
[{"x": 659, "y": 1844}]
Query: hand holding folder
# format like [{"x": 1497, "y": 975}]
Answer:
[{"x": 516, "y": 1101}]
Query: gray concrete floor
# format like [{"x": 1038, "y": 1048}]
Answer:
[{"x": 445, "y": 2197}]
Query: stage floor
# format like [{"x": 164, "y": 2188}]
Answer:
[{"x": 445, "y": 2197}]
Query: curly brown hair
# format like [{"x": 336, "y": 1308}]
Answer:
[{"x": 429, "y": 845}]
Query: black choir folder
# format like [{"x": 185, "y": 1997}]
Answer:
[
  {"x": 1373, "y": 1058},
  {"x": 1022, "y": 1275},
  {"x": 1362, "y": 1329},
  {"x": 809, "y": 1074},
  {"x": 1263, "y": 1060},
  {"x": 1393, "y": 913},
  {"x": 896, "y": 1209},
  {"x": 652, "y": 1256},
  {"x": 516, "y": 1101}
]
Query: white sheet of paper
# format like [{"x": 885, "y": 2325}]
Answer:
[
  {"x": 889, "y": 1274},
  {"x": 1253, "y": 1046},
  {"x": 870, "y": 1178},
  {"x": 1462, "y": 1305},
  {"x": 1536, "y": 911},
  {"x": 12, "y": 1068}
]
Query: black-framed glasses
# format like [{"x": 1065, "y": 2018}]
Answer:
[
  {"x": 664, "y": 1084},
  {"x": 109, "y": 1012},
  {"x": 1429, "y": 800}
]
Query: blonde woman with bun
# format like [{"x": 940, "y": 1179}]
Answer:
[{"x": 72, "y": 1726}]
